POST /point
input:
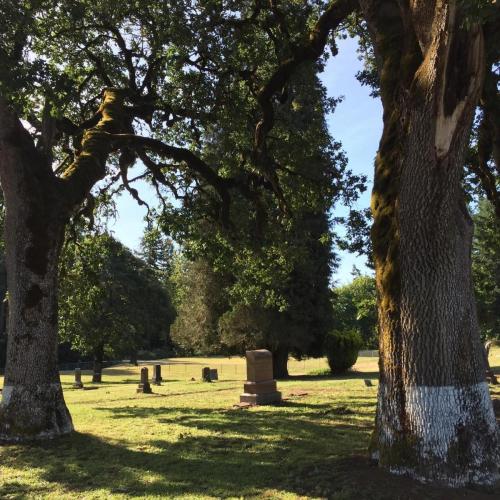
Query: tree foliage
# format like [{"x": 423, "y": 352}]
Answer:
[
  {"x": 341, "y": 349},
  {"x": 355, "y": 309},
  {"x": 486, "y": 268},
  {"x": 200, "y": 300},
  {"x": 157, "y": 251},
  {"x": 102, "y": 85},
  {"x": 277, "y": 268},
  {"x": 110, "y": 297},
  {"x": 183, "y": 89}
]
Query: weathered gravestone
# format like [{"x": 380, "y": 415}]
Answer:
[
  {"x": 214, "y": 374},
  {"x": 78, "y": 379},
  {"x": 260, "y": 387},
  {"x": 157, "y": 379},
  {"x": 490, "y": 375},
  {"x": 205, "y": 374},
  {"x": 144, "y": 385}
]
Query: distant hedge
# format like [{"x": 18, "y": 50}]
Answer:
[{"x": 341, "y": 349}]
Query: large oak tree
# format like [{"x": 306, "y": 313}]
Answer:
[
  {"x": 436, "y": 61},
  {"x": 100, "y": 87}
]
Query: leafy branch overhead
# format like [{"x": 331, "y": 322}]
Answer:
[{"x": 103, "y": 88}]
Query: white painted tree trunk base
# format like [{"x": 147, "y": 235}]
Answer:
[
  {"x": 450, "y": 434},
  {"x": 33, "y": 413}
]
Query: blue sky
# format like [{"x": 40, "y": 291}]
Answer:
[{"x": 356, "y": 123}]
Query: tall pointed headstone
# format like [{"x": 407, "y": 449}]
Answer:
[{"x": 144, "y": 385}]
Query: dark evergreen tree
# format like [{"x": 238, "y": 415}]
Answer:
[{"x": 157, "y": 251}]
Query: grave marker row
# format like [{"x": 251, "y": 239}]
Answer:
[
  {"x": 209, "y": 374},
  {"x": 260, "y": 386}
]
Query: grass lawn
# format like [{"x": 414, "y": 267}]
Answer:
[{"x": 188, "y": 441}]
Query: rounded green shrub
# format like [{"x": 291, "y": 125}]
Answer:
[{"x": 341, "y": 349}]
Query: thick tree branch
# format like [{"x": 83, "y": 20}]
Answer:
[
  {"x": 68, "y": 127},
  {"x": 194, "y": 163},
  {"x": 90, "y": 163},
  {"x": 310, "y": 51}
]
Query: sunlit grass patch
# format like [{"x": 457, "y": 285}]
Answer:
[{"x": 187, "y": 440}]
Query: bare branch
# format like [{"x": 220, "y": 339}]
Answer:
[{"x": 126, "y": 52}]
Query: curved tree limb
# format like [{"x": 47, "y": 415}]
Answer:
[
  {"x": 310, "y": 51},
  {"x": 90, "y": 163}
]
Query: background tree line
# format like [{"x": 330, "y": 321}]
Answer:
[{"x": 115, "y": 304}]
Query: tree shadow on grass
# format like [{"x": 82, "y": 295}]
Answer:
[
  {"x": 288, "y": 420},
  {"x": 295, "y": 447},
  {"x": 237, "y": 453},
  {"x": 351, "y": 375}
]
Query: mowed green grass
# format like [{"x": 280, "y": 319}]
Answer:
[{"x": 187, "y": 440}]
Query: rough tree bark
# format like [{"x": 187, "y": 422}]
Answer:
[
  {"x": 32, "y": 401},
  {"x": 435, "y": 419},
  {"x": 38, "y": 207},
  {"x": 280, "y": 362}
]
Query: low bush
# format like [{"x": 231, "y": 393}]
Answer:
[{"x": 341, "y": 349}]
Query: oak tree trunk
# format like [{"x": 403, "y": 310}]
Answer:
[
  {"x": 32, "y": 404},
  {"x": 280, "y": 362},
  {"x": 133, "y": 358},
  {"x": 98, "y": 359},
  {"x": 38, "y": 207},
  {"x": 435, "y": 419}
]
